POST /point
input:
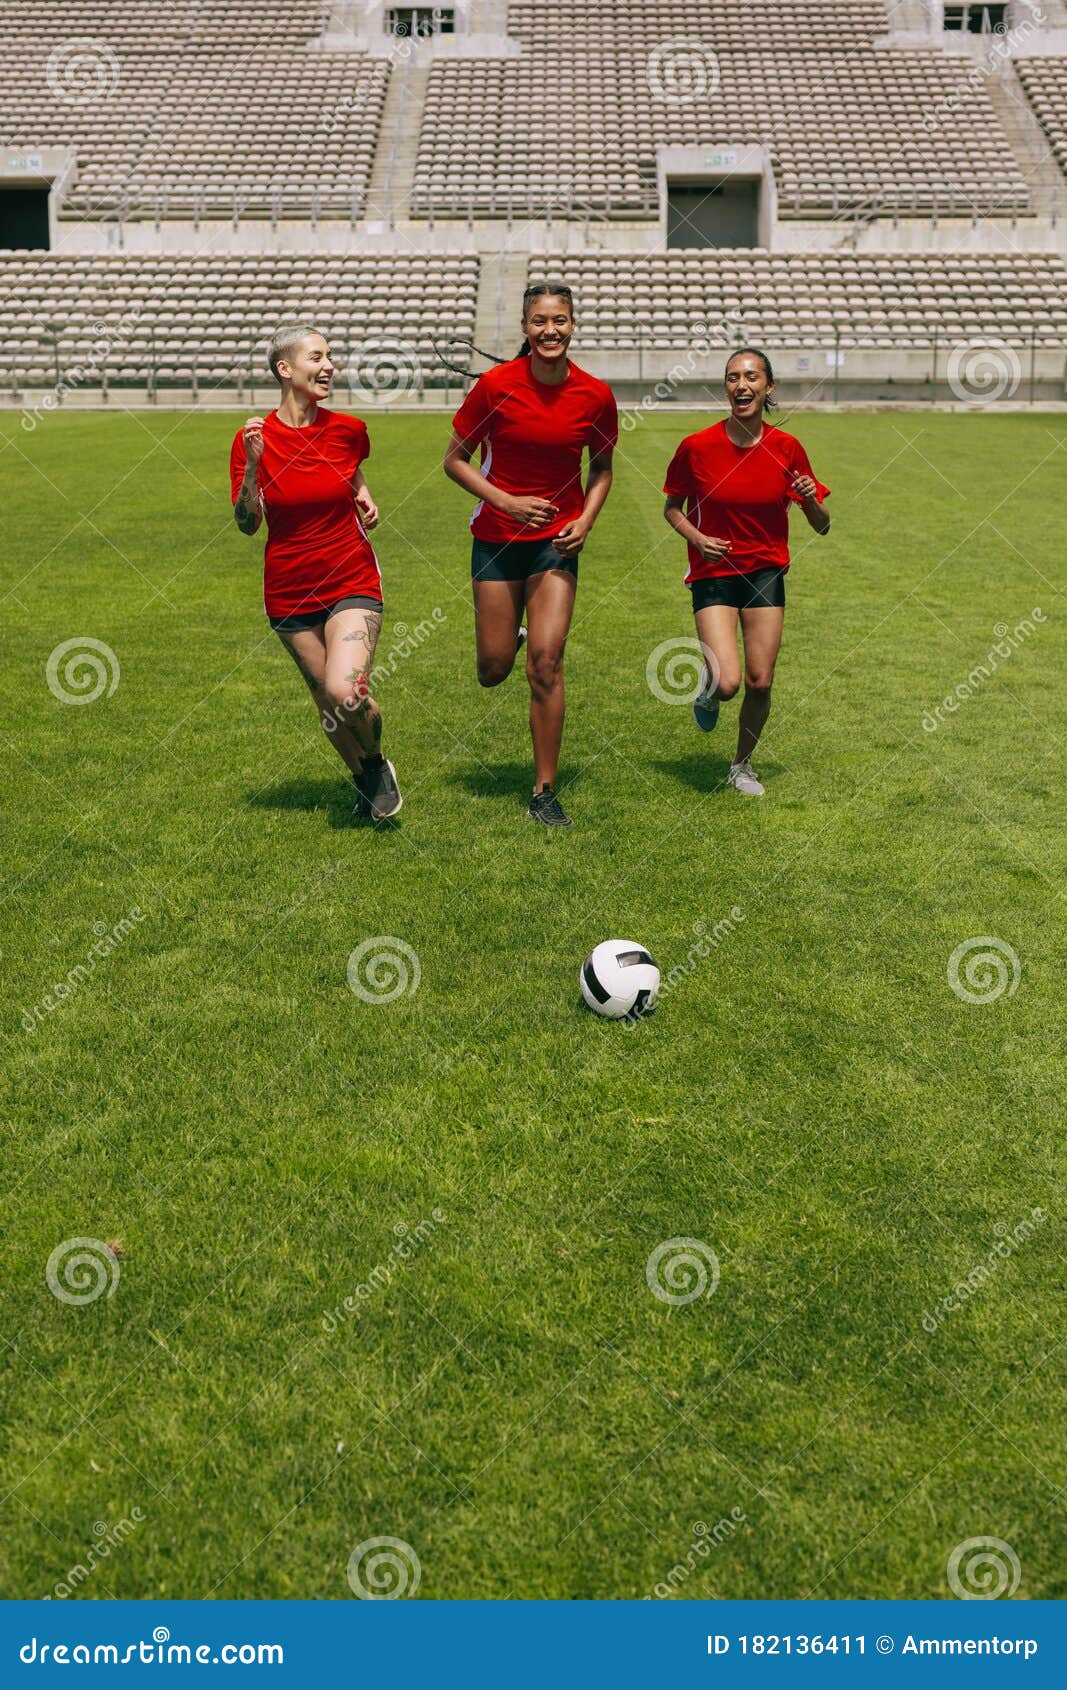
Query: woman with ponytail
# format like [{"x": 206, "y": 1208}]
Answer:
[
  {"x": 729, "y": 490},
  {"x": 533, "y": 417}
]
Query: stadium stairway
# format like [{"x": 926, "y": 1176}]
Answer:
[
  {"x": 501, "y": 285},
  {"x": 393, "y": 172},
  {"x": 1029, "y": 145}
]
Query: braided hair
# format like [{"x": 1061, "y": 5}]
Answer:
[{"x": 537, "y": 290}]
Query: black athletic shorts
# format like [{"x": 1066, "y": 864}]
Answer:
[
  {"x": 515, "y": 560},
  {"x": 319, "y": 618},
  {"x": 756, "y": 591}
]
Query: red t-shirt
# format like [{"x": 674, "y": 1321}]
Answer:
[
  {"x": 532, "y": 435},
  {"x": 317, "y": 549},
  {"x": 741, "y": 494}
]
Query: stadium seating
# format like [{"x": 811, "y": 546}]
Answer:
[
  {"x": 183, "y": 108},
  {"x": 847, "y": 125},
  {"x": 1045, "y": 83},
  {"x": 806, "y": 300},
  {"x": 215, "y": 314}
]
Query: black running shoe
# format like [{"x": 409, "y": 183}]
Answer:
[
  {"x": 378, "y": 785},
  {"x": 546, "y": 808}
]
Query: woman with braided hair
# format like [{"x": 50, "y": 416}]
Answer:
[{"x": 533, "y": 417}]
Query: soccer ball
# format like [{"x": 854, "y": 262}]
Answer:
[{"x": 619, "y": 979}]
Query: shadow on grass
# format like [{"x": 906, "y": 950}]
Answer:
[
  {"x": 707, "y": 772},
  {"x": 333, "y": 797},
  {"x": 494, "y": 780}
]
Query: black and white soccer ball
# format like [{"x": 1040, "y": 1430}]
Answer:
[{"x": 619, "y": 979}]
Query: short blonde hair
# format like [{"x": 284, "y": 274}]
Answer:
[{"x": 284, "y": 343}]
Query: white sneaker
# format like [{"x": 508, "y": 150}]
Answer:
[
  {"x": 743, "y": 780},
  {"x": 706, "y": 703}
]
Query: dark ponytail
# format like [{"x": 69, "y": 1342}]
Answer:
[
  {"x": 770, "y": 403},
  {"x": 537, "y": 290}
]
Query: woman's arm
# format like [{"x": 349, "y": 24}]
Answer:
[
  {"x": 815, "y": 513},
  {"x": 368, "y": 510},
  {"x": 573, "y": 535},
  {"x": 706, "y": 545},
  {"x": 532, "y": 513},
  {"x": 247, "y": 509}
]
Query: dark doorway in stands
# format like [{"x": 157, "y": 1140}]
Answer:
[
  {"x": 713, "y": 213},
  {"x": 24, "y": 217},
  {"x": 977, "y": 20},
  {"x": 420, "y": 21}
]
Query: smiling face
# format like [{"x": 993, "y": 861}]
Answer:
[
  {"x": 308, "y": 368},
  {"x": 747, "y": 387},
  {"x": 548, "y": 325}
]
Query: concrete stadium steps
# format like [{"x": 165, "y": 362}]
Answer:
[
  {"x": 1030, "y": 145},
  {"x": 389, "y": 189}
]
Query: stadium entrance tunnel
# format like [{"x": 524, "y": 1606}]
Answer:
[
  {"x": 31, "y": 185},
  {"x": 716, "y": 196},
  {"x": 705, "y": 214},
  {"x": 23, "y": 217}
]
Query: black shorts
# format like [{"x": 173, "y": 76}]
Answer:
[
  {"x": 516, "y": 560},
  {"x": 762, "y": 589},
  {"x": 319, "y": 618}
]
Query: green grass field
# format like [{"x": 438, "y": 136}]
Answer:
[{"x": 813, "y": 1101}]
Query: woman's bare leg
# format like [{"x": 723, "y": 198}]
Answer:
[
  {"x": 307, "y": 648},
  {"x": 549, "y": 605}
]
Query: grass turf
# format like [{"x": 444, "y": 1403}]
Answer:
[{"x": 812, "y": 1101}]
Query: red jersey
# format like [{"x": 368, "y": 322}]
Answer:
[
  {"x": 317, "y": 549},
  {"x": 741, "y": 494},
  {"x": 532, "y": 434}
]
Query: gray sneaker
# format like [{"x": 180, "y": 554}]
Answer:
[
  {"x": 546, "y": 808},
  {"x": 378, "y": 786},
  {"x": 706, "y": 703},
  {"x": 743, "y": 780}
]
